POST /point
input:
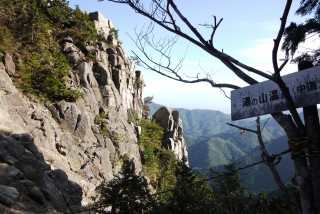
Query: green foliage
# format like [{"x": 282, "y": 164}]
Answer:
[
  {"x": 224, "y": 151},
  {"x": 212, "y": 143},
  {"x": 151, "y": 134},
  {"x": 260, "y": 204},
  {"x": 44, "y": 74},
  {"x": 87, "y": 34},
  {"x": 133, "y": 116},
  {"x": 126, "y": 193},
  {"x": 117, "y": 137},
  {"x": 32, "y": 30},
  {"x": 146, "y": 111},
  {"x": 230, "y": 194},
  {"x": 178, "y": 188},
  {"x": 7, "y": 43},
  {"x": 295, "y": 34},
  {"x": 159, "y": 164},
  {"x": 148, "y": 100},
  {"x": 230, "y": 183},
  {"x": 167, "y": 178},
  {"x": 114, "y": 32},
  {"x": 279, "y": 203},
  {"x": 309, "y": 6},
  {"x": 167, "y": 173},
  {"x": 150, "y": 142},
  {"x": 148, "y": 154},
  {"x": 193, "y": 196},
  {"x": 138, "y": 83},
  {"x": 100, "y": 120}
]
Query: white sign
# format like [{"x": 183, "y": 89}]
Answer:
[{"x": 266, "y": 97}]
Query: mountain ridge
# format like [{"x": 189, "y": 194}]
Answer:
[{"x": 211, "y": 144}]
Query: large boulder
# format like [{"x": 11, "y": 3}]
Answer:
[{"x": 173, "y": 137}]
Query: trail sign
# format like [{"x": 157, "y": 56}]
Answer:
[{"x": 266, "y": 97}]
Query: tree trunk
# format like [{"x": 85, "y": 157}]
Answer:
[
  {"x": 302, "y": 171},
  {"x": 312, "y": 125},
  {"x": 313, "y": 133}
]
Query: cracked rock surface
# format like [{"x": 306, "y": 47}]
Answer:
[{"x": 54, "y": 150}]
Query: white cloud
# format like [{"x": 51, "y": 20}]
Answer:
[
  {"x": 260, "y": 56},
  {"x": 260, "y": 52}
]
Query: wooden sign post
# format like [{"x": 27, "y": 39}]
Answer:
[{"x": 266, "y": 97}]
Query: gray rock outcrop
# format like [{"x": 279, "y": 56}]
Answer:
[
  {"x": 173, "y": 138},
  {"x": 85, "y": 140},
  {"x": 9, "y": 64},
  {"x": 28, "y": 183}
]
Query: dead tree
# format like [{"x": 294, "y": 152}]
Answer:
[
  {"x": 271, "y": 161},
  {"x": 166, "y": 14}
]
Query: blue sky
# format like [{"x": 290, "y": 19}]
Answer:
[{"x": 246, "y": 33}]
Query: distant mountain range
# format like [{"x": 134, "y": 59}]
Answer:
[{"x": 211, "y": 143}]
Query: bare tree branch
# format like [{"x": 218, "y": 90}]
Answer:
[
  {"x": 277, "y": 78},
  {"x": 198, "y": 40},
  {"x": 164, "y": 65},
  {"x": 242, "y": 128},
  {"x": 279, "y": 36},
  {"x": 214, "y": 28},
  {"x": 177, "y": 77},
  {"x": 283, "y": 64}
]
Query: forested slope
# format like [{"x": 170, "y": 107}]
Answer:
[{"x": 212, "y": 143}]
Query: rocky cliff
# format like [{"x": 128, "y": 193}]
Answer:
[
  {"x": 53, "y": 154},
  {"x": 173, "y": 131},
  {"x": 62, "y": 149}
]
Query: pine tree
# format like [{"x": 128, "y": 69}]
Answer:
[
  {"x": 230, "y": 194},
  {"x": 126, "y": 193},
  {"x": 192, "y": 194},
  {"x": 295, "y": 34}
]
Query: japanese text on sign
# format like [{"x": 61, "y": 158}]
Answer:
[{"x": 266, "y": 97}]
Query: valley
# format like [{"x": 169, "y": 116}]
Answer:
[{"x": 212, "y": 143}]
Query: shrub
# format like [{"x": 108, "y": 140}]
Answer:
[
  {"x": 32, "y": 29},
  {"x": 133, "y": 116},
  {"x": 45, "y": 74},
  {"x": 7, "y": 43},
  {"x": 115, "y": 33},
  {"x": 158, "y": 163}
]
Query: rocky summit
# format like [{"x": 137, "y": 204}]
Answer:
[
  {"x": 54, "y": 154},
  {"x": 173, "y": 137}
]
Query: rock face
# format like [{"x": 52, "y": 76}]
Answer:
[
  {"x": 27, "y": 182},
  {"x": 171, "y": 123},
  {"x": 85, "y": 140}
]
